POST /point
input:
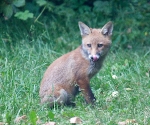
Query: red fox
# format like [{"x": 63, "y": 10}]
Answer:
[{"x": 72, "y": 72}]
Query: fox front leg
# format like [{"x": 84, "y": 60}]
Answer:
[{"x": 87, "y": 92}]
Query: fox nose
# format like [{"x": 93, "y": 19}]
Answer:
[{"x": 94, "y": 58}]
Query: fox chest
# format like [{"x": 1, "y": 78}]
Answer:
[{"x": 93, "y": 69}]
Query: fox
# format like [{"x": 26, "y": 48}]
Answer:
[{"x": 71, "y": 73}]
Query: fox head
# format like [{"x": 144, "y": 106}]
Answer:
[{"x": 95, "y": 42}]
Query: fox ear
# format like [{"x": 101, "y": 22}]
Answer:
[
  {"x": 107, "y": 29},
  {"x": 84, "y": 29}
]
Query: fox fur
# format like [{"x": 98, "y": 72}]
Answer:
[{"x": 72, "y": 72}]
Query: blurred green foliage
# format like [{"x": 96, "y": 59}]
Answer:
[
  {"x": 8, "y": 7},
  {"x": 131, "y": 18}
]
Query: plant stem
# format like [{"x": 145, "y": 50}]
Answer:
[{"x": 36, "y": 20}]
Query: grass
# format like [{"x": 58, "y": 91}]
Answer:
[{"x": 22, "y": 66}]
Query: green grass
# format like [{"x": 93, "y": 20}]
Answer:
[{"x": 22, "y": 66}]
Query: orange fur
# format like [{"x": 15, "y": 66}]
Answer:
[{"x": 72, "y": 72}]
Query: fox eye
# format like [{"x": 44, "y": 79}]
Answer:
[
  {"x": 99, "y": 45},
  {"x": 89, "y": 45}
]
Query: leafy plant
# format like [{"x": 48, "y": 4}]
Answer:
[
  {"x": 9, "y": 7},
  {"x": 131, "y": 18},
  {"x": 51, "y": 115},
  {"x": 8, "y": 118},
  {"x": 24, "y": 15},
  {"x": 33, "y": 117}
]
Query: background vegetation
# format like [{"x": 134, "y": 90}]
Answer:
[
  {"x": 33, "y": 33},
  {"x": 131, "y": 18}
]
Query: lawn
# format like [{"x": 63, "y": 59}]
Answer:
[{"x": 122, "y": 87}]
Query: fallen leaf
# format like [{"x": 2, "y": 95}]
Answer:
[
  {"x": 75, "y": 120},
  {"x": 38, "y": 120},
  {"x": 129, "y": 30},
  {"x": 128, "y": 122},
  {"x": 2, "y": 123},
  {"x": 50, "y": 123},
  {"x": 114, "y": 77},
  {"x": 122, "y": 123},
  {"x": 18, "y": 119},
  {"x": 128, "y": 89},
  {"x": 115, "y": 94},
  {"x": 129, "y": 47}
]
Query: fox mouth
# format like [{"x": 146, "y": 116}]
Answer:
[{"x": 94, "y": 58}]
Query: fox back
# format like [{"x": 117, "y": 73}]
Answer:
[{"x": 72, "y": 72}]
